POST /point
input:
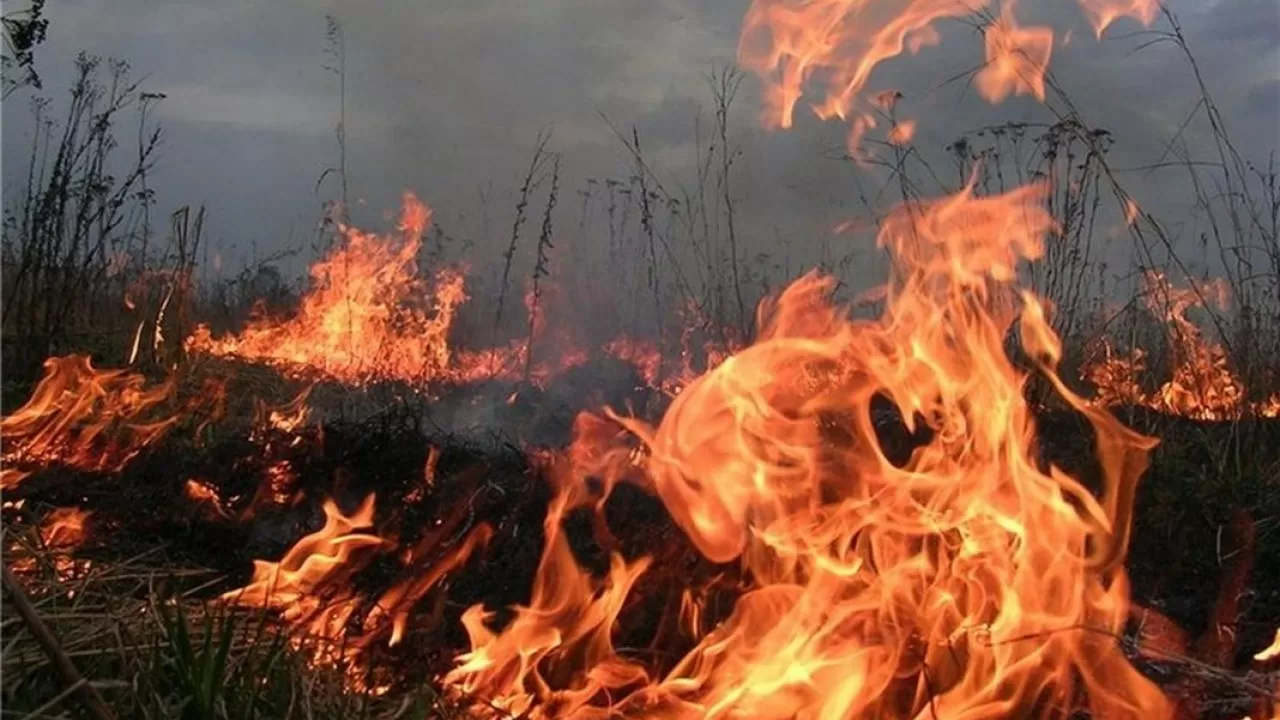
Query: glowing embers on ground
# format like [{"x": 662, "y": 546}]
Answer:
[
  {"x": 1202, "y": 384},
  {"x": 969, "y": 582}
]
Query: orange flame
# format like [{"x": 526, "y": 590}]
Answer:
[
  {"x": 310, "y": 585},
  {"x": 1017, "y": 58},
  {"x": 1271, "y": 652},
  {"x": 369, "y": 317},
  {"x": 89, "y": 419},
  {"x": 64, "y": 528},
  {"x": 1203, "y": 385},
  {"x": 62, "y": 531},
  {"x": 288, "y": 417},
  {"x": 355, "y": 324},
  {"x": 205, "y": 495},
  {"x": 789, "y": 43},
  {"x": 568, "y": 621},
  {"x": 1102, "y": 13},
  {"x": 902, "y": 133},
  {"x": 969, "y": 582}
]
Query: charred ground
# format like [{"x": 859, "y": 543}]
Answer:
[{"x": 1203, "y": 552}]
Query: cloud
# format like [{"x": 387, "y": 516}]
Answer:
[{"x": 447, "y": 100}]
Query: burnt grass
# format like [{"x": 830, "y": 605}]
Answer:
[{"x": 1205, "y": 549}]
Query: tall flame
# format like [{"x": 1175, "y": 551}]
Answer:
[
  {"x": 355, "y": 324},
  {"x": 972, "y": 581}
]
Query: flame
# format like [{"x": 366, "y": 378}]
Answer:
[
  {"x": 1271, "y": 652},
  {"x": 902, "y": 133},
  {"x": 428, "y": 476},
  {"x": 203, "y": 494},
  {"x": 310, "y": 586},
  {"x": 647, "y": 358},
  {"x": 790, "y": 43},
  {"x": 642, "y": 354},
  {"x": 1017, "y": 58},
  {"x": 286, "y": 418},
  {"x": 369, "y": 316},
  {"x": 89, "y": 419},
  {"x": 1202, "y": 386},
  {"x": 356, "y": 324},
  {"x": 64, "y": 528},
  {"x": 1131, "y": 212},
  {"x": 568, "y": 621},
  {"x": 397, "y": 602},
  {"x": 62, "y": 531},
  {"x": 1102, "y": 13},
  {"x": 970, "y": 582},
  {"x": 429, "y": 470}
]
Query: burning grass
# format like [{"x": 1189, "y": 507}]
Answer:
[
  {"x": 883, "y": 487},
  {"x": 912, "y": 514},
  {"x": 150, "y": 647},
  {"x": 1201, "y": 571}
]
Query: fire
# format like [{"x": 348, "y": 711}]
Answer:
[
  {"x": 1017, "y": 58},
  {"x": 1271, "y": 652},
  {"x": 648, "y": 360},
  {"x": 1203, "y": 385},
  {"x": 64, "y": 528},
  {"x": 370, "y": 316},
  {"x": 288, "y": 417},
  {"x": 902, "y": 133},
  {"x": 418, "y": 493},
  {"x": 567, "y": 622},
  {"x": 642, "y": 354},
  {"x": 1102, "y": 13},
  {"x": 310, "y": 586},
  {"x": 204, "y": 495},
  {"x": 971, "y": 581},
  {"x": 89, "y": 419},
  {"x": 789, "y": 43},
  {"x": 62, "y": 531},
  {"x": 356, "y": 324}
]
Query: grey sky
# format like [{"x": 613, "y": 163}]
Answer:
[{"x": 446, "y": 96}]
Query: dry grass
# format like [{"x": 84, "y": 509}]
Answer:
[{"x": 138, "y": 634}]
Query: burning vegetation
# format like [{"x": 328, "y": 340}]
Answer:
[{"x": 931, "y": 511}]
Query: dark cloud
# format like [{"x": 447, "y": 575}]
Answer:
[{"x": 446, "y": 98}]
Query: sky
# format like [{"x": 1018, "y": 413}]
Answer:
[{"x": 446, "y": 97}]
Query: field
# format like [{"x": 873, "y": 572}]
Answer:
[{"x": 413, "y": 485}]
